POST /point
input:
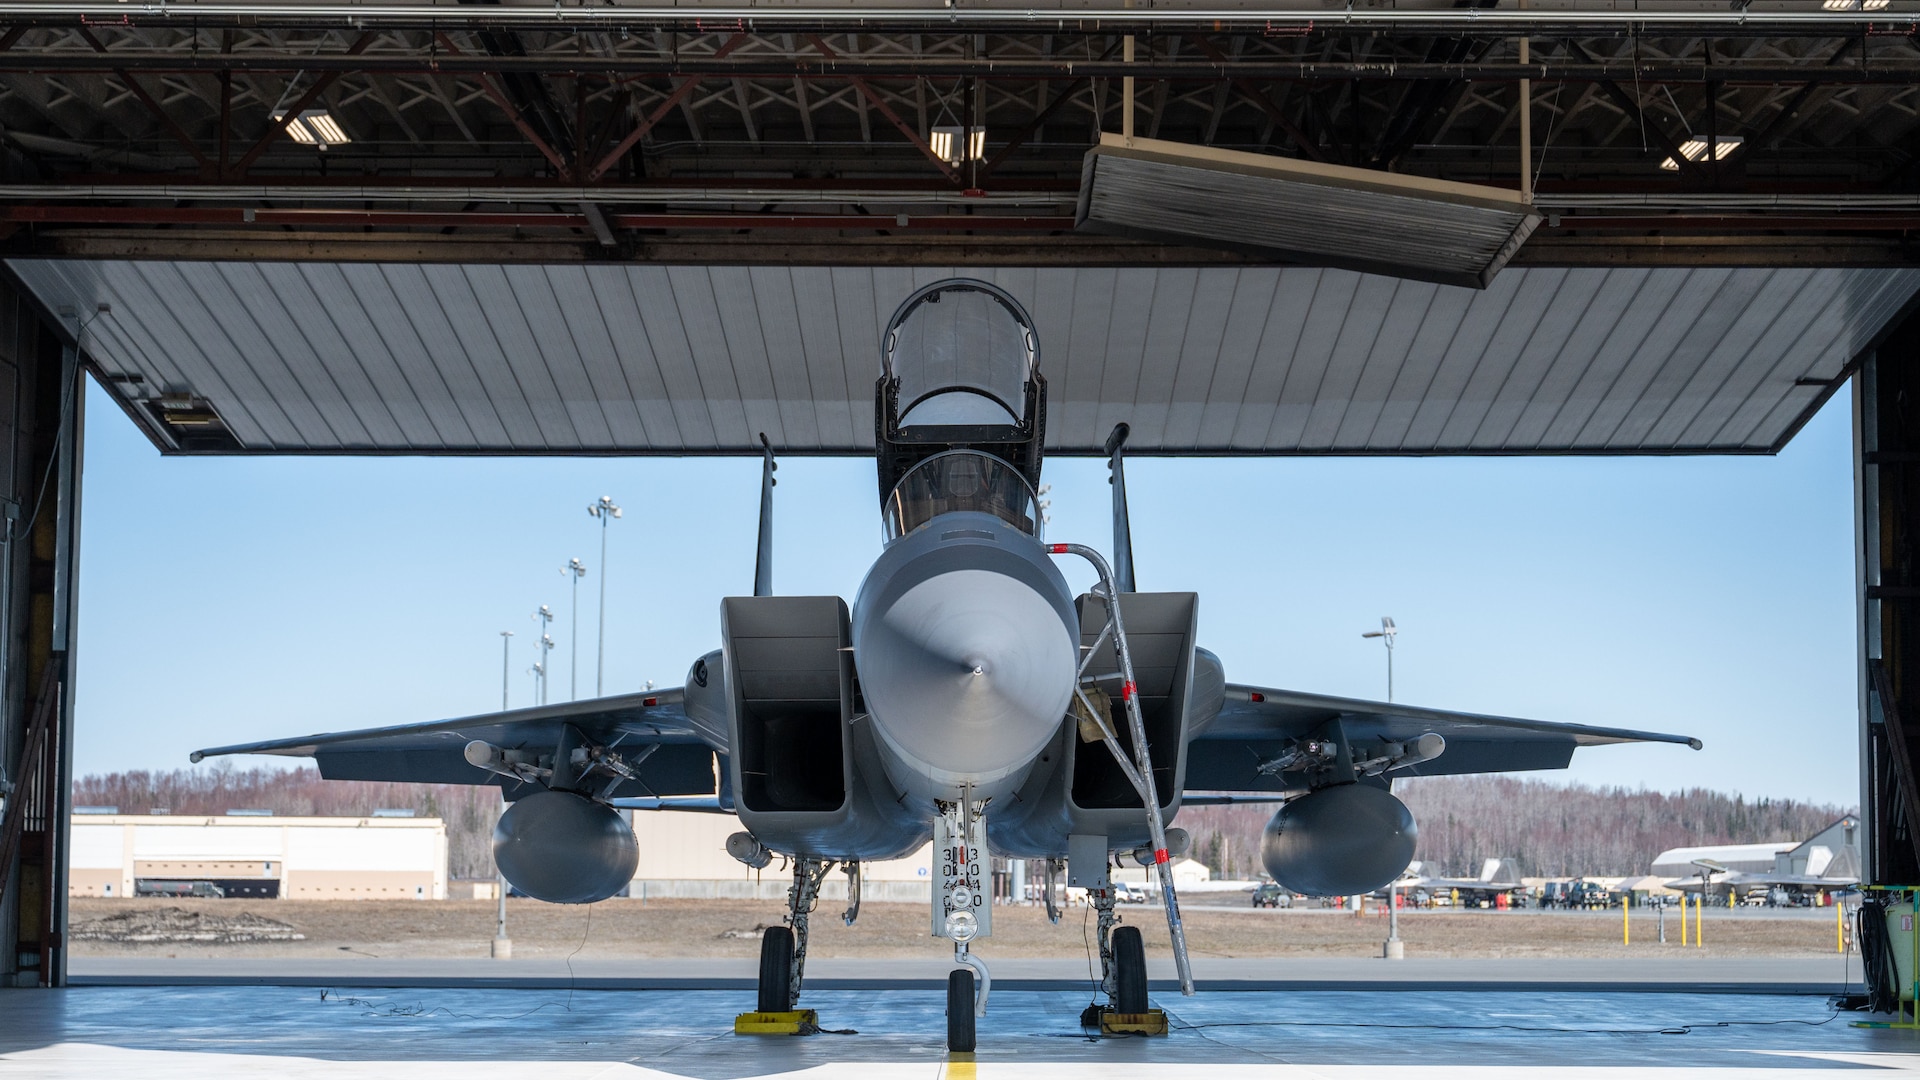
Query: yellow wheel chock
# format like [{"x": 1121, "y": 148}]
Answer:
[{"x": 798, "y": 1022}]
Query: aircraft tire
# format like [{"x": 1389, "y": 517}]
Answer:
[
  {"x": 960, "y": 1031},
  {"x": 1129, "y": 970},
  {"x": 776, "y": 969}
]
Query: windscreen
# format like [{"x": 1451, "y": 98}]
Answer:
[
  {"x": 960, "y": 480},
  {"x": 963, "y": 356}
]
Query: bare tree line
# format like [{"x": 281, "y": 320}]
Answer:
[{"x": 1552, "y": 830}]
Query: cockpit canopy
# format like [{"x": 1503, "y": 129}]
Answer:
[
  {"x": 963, "y": 352},
  {"x": 960, "y": 480},
  {"x": 960, "y": 371}
]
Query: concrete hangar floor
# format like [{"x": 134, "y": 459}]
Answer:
[{"x": 169, "y": 1032}]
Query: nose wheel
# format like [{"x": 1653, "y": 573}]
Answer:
[{"x": 960, "y": 1006}]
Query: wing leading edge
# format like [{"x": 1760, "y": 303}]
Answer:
[
  {"x": 1257, "y": 725},
  {"x": 671, "y": 752}
]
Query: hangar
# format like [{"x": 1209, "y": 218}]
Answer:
[{"x": 407, "y": 227}]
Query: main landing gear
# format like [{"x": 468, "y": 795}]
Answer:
[
  {"x": 1123, "y": 970},
  {"x": 783, "y": 959}
]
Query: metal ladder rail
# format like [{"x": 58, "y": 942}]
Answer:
[{"x": 1140, "y": 770}]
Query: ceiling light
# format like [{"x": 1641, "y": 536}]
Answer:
[
  {"x": 945, "y": 144},
  {"x": 1854, "y": 5},
  {"x": 1695, "y": 149},
  {"x": 316, "y": 127}
]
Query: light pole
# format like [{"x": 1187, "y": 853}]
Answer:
[
  {"x": 1395, "y": 949},
  {"x": 606, "y": 511},
  {"x": 502, "y": 948},
  {"x": 540, "y": 668},
  {"x": 577, "y": 570},
  {"x": 506, "y": 644},
  {"x": 1386, "y": 632}
]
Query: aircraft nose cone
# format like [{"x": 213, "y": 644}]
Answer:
[{"x": 968, "y": 671}]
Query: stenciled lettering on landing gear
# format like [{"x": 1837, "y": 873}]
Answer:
[{"x": 963, "y": 906}]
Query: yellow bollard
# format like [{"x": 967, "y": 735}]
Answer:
[
  {"x": 1700, "y": 921},
  {"x": 1626, "y": 931},
  {"x": 1683, "y": 920},
  {"x": 1839, "y": 928}
]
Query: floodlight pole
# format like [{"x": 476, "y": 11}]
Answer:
[
  {"x": 1394, "y": 949},
  {"x": 506, "y": 645},
  {"x": 545, "y": 617},
  {"x": 577, "y": 570},
  {"x": 502, "y": 948},
  {"x": 606, "y": 510},
  {"x": 1387, "y": 633}
]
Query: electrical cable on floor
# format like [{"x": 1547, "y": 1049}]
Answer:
[{"x": 584, "y": 934}]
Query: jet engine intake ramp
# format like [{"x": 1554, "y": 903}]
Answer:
[{"x": 442, "y": 358}]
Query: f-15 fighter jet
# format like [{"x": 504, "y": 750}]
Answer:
[{"x": 966, "y": 696}]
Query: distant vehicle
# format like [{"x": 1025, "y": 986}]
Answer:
[
  {"x": 1588, "y": 896},
  {"x": 1272, "y": 895},
  {"x": 1123, "y": 893},
  {"x": 160, "y": 887}
]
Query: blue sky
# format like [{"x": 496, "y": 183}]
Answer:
[{"x": 232, "y": 599}]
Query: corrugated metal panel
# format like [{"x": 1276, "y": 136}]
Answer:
[
  {"x": 1301, "y": 211},
  {"x": 316, "y": 357}
]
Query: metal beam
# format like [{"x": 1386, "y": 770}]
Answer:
[
  {"x": 1901, "y": 72},
  {"x": 167, "y": 122},
  {"x": 673, "y": 100},
  {"x": 278, "y": 127},
  {"x": 424, "y": 13},
  {"x": 873, "y": 97},
  {"x": 1254, "y": 94}
]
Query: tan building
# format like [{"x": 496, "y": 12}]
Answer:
[
  {"x": 301, "y": 858},
  {"x": 684, "y": 854}
]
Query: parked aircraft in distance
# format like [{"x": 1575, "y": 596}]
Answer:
[
  {"x": 967, "y": 695},
  {"x": 1497, "y": 876}
]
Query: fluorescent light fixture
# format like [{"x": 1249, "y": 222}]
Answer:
[
  {"x": 945, "y": 143},
  {"x": 316, "y": 127},
  {"x": 1695, "y": 149},
  {"x": 1854, "y": 5}
]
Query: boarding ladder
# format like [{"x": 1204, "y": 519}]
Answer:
[{"x": 1138, "y": 770}]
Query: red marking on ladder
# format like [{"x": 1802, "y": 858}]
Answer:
[
  {"x": 1057, "y": 549},
  {"x": 1256, "y": 696},
  {"x": 1127, "y": 690},
  {"x": 1159, "y": 855},
  {"x": 650, "y": 702}
]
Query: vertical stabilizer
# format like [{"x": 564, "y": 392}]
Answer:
[
  {"x": 763, "y": 554},
  {"x": 1122, "y": 527}
]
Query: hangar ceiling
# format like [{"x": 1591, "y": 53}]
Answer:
[
  {"x": 574, "y": 228},
  {"x": 359, "y": 357},
  {"x": 700, "y": 132}
]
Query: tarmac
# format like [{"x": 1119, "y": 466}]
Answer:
[
  {"x": 423, "y": 1033},
  {"x": 1703, "y": 973}
]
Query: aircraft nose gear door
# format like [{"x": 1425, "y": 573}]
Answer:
[{"x": 963, "y": 912}]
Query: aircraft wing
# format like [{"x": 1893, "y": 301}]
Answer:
[
  {"x": 679, "y": 763},
  {"x": 1256, "y": 724}
]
